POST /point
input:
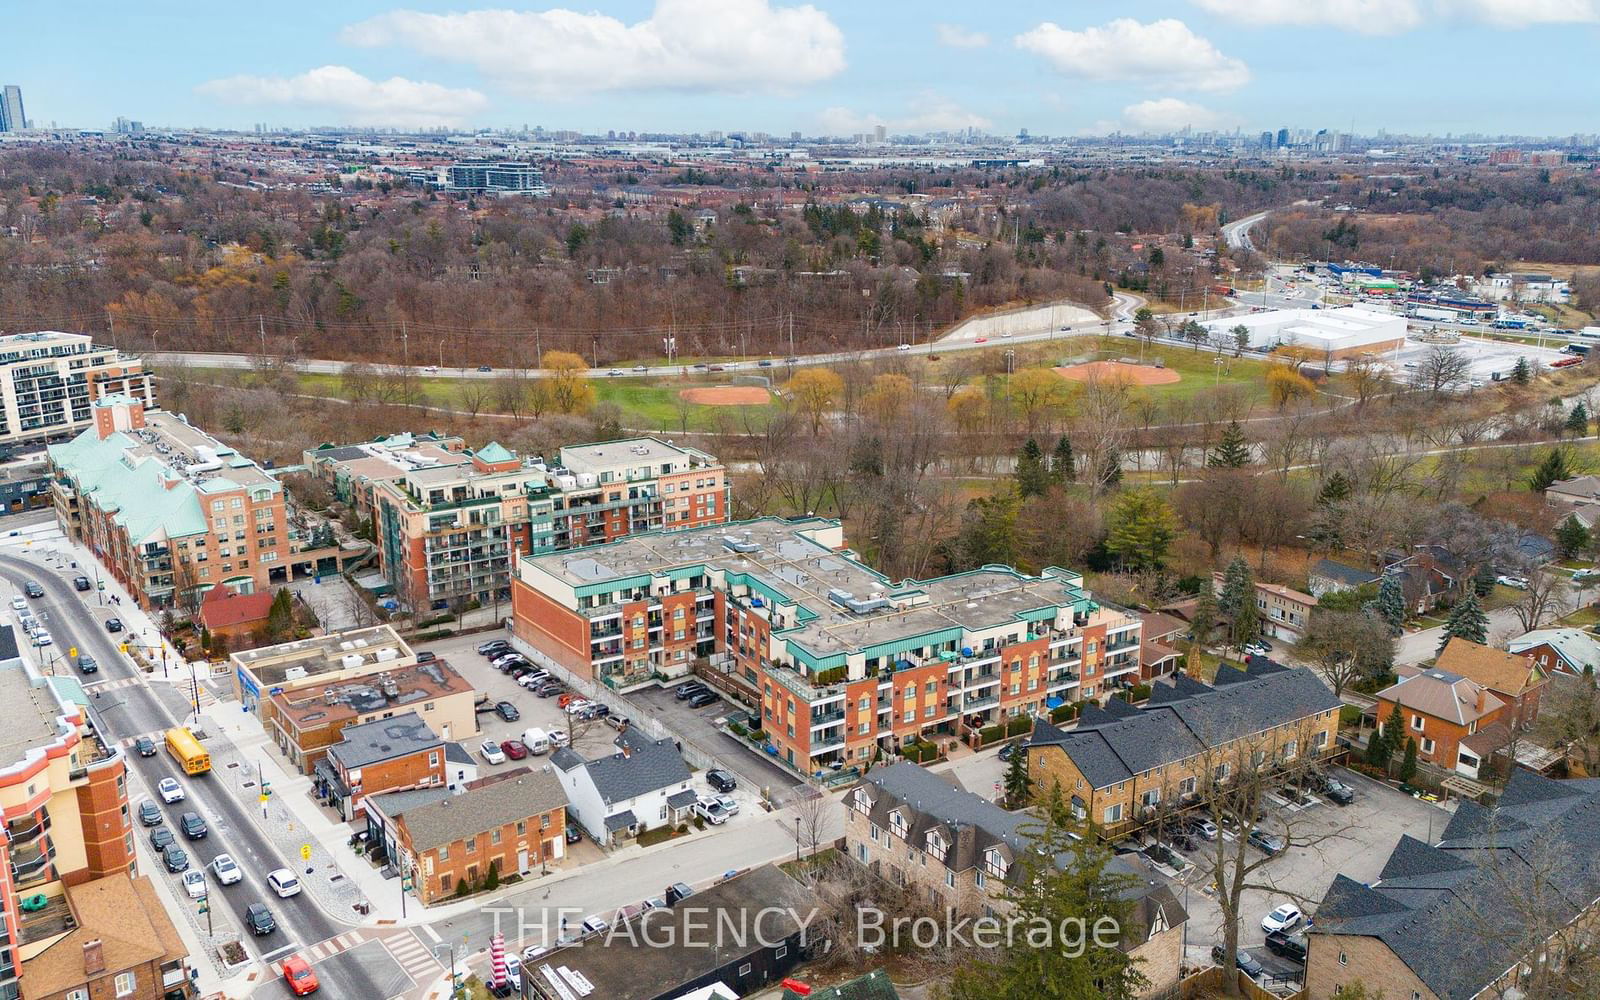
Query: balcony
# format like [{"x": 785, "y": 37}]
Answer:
[
  {"x": 826, "y": 718},
  {"x": 54, "y": 920},
  {"x": 973, "y": 704}
]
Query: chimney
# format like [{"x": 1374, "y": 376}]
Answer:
[
  {"x": 1483, "y": 699},
  {"x": 94, "y": 958}
]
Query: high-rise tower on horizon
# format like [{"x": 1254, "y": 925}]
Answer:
[{"x": 12, "y": 118}]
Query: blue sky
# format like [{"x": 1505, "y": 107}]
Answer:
[{"x": 832, "y": 66}]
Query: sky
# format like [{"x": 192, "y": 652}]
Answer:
[{"x": 1071, "y": 67}]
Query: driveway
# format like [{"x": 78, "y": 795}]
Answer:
[{"x": 698, "y": 727}]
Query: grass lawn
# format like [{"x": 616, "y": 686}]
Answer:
[
  {"x": 657, "y": 835},
  {"x": 1501, "y": 597},
  {"x": 1197, "y": 369},
  {"x": 1581, "y": 618},
  {"x": 795, "y": 869}
]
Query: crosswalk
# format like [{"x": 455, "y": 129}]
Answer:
[
  {"x": 413, "y": 955},
  {"x": 111, "y": 685},
  {"x": 333, "y": 946}
]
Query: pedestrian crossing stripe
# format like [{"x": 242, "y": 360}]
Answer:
[
  {"x": 413, "y": 956},
  {"x": 111, "y": 685}
]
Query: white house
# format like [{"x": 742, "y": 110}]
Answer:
[{"x": 644, "y": 785}]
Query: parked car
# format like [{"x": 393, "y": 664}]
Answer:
[
  {"x": 1241, "y": 958},
  {"x": 711, "y": 811},
  {"x": 703, "y": 699},
  {"x": 548, "y": 689},
  {"x": 1583, "y": 575},
  {"x": 113, "y": 625},
  {"x": 427, "y": 656},
  {"x": 259, "y": 919},
  {"x": 1257, "y": 648},
  {"x": 283, "y": 882},
  {"x": 299, "y": 977},
  {"x": 1339, "y": 792},
  {"x": 514, "y": 749},
  {"x": 721, "y": 780},
  {"x": 574, "y": 833},
  {"x": 507, "y": 711},
  {"x": 1265, "y": 842},
  {"x": 144, "y": 746},
  {"x": 595, "y": 924},
  {"x": 1285, "y": 917},
  {"x": 81, "y": 583},
  {"x": 729, "y": 804},
  {"x": 1203, "y": 828},
  {"x": 764, "y": 363},
  {"x": 175, "y": 858},
  {"x": 1288, "y": 945},
  {"x": 485, "y": 368},
  {"x": 1515, "y": 582},
  {"x": 223, "y": 867},
  {"x": 688, "y": 690},
  {"x": 19, "y": 603},
  {"x": 489, "y": 648},
  {"x": 42, "y": 638},
  {"x": 32, "y": 589},
  {"x": 492, "y": 753},
  {"x": 192, "y": 826},
  {"x": 903, "y": 347},
  {"x": 160, "y": 837},
  {"x": 506, "y": 659},
  {"x": 150, "y": 813},
  {"x": 194, "y": 883},
  {"x": 514, "y": 974},
  {"x": 169, "y": 790},
  {"x": 558, "y": 738}
]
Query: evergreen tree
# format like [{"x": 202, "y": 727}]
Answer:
[
  {"x": 1521, "y": 373},
  {"x": 1375, "y": 755},
  {"x": 1246, "y": 626},
  {"x": 1571, "y": 538},
  {"x": 1017, "y": 784},
  {"x": 1335, "y": 489},
  {"x": 1031, "y": 474},
  {"x": 1578, "y": 419},
  {"x": 1391, "y": 606},
  {"x": 1466, "y": 621},
  {"x": 1483, "y": 580},
  {"x": 1408, "y": 766},
  {"x": 1236, "y": 585},
  {"x": 1232, "y": 452},
  {"x": 1063, "y": 468},
  {"x": 1553, "y": 469},
  {"x": 1140, "y": 528},
  {"x": 1393, "y": 732},
  {"x": 1204, "y": 621}
]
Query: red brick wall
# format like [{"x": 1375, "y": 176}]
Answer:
[
  {"x": 105, "y": 827},
  {"x": 560, "y": 634},
  {"x": 399, "y": 772},
  {"x": 1015, "y": 669},
  {"x": 539, "y": 841}
]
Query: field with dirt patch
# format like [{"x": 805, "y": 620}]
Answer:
[
  {"x": 1119, "y": 371},
  {"x": 727, "y": 395}
]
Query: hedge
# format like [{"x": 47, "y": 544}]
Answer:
[
  {"x": 435, "y": 620},
  {"x": 442, "y": 633},
  {"x": 832, "y": 675},
  {"x": 1019, "y": 725},
  {"x": 990, "y": 734},
  {"x": 1067, "y": 712},
  {"x": 738, "y": 729},
  {"x": 1349, "y": 716}
]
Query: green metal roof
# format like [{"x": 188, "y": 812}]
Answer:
[
  {"x": 494, "y": 452},
  {"x": 133, "y": 491}
]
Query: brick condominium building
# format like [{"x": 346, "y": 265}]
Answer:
[
  {"x": 839, "y": 659},
  {"x": 450, "y": 525},
  {"x": 172, "y": 512}
]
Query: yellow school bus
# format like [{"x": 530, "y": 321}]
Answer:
[{"x": 188, "y": 751}]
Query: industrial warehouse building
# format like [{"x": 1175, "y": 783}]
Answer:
[{"x": 1332, "y": 333}]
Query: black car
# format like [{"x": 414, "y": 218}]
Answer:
[
  {"x": 573, "y": 833},
  {"x": 259, "y": 919},
  {"x": 426, "y": 656},
  {"x": 485, "y": 368},
  {"x": 688, "y": 690},
  {"x": 1339, "y": 792},
  {"x": 721, "y": 780},
  {"x": 87, "y": 664},
  {"x": 82, "y": 583},
  {"x": 32, "y": 589},
  {"x": 145, "y": 746},
  {"x": 192, "y": 826},
  {"x": 1010, "y": 750},
  {"x": 507, "y": 711},
  {"x": 176, "y": 858},
  {"x": 1290, "y": 946},
  {"x": 113, "y": 624},
  {"x": 149, "y": 813},
  {"x": 703, "y": 699},
  {"x": 1242, "y": 959},
  {"x": 161, "y": 838}
]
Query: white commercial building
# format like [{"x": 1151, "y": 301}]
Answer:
[
  {"x": 1330, "y": 333},
  {"x": 49, "y": 381}
]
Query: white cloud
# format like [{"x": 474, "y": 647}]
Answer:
[
  {"x": 684, "y": 45},
  {"x": 353, "y": 98},
  {"x": 1524, "y": 13},
  {"x": 957, "y": 37},
  {"x": 1162, "y": 52},
  {"x": 1369, "y": 17},
  {"x": 927, "y": 113},
  {"x": 1169, "y": 114}
]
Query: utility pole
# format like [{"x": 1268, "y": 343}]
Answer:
[
  {"x": 405, "y": 343},
  {"x": 791, "y": 333},
  {"x": 111, "y": 325},
  {"x": 538, "y": 350},
  {"x": 594, "y": 347}
]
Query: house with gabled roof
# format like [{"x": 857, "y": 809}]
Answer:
[
  {"x": 918, "y": 830},
  {"x": 1560, "y": 650},
  {"x": 1464, "y": 919},
  {"x": 1439, "y": 710},
  {"x": 645, "y": 784},
  {"x": 1516, "y": 679}
]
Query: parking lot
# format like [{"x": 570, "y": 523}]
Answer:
[
  {"x": 698, "y": 725},
  {"x": 1353, "y": 840},
  {"x": 1486, "y": 357}
]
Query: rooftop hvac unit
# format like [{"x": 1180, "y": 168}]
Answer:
[
  {"x": 388, "y": 653},
  {"x": 294, "y": 674},
  {"x": 352, "y": 660}
]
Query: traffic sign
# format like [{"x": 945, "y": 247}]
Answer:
[
  {"x": 72, "y": 651},
  {"x": 264, "y": 798}
]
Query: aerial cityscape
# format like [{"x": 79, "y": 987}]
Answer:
[{"x": 722, "y": 499}]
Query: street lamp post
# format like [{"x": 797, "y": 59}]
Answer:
[{"x": 797, "y": 840}]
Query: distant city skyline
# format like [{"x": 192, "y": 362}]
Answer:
[{"x": 1432, "y": 67}]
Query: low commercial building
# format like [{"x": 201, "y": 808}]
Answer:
[
  {"x": 1328, "y": 334},
  {"x": 24, "y": 486},
  {"x": 839, "y": 660},
  {"x": 1120, "y": 768},
  {"x": 173, "y": 513},
  {"x": 515, "y": 822},
  {"x": 384, "y": 755},
  {"x": 1513, "y": 881},
  {"x": 50, "y": 381},
  {"x": 644, "y": 785},
  {"x": 339, "y": 655},
  {"x": 449, "y": 531},
  {"x": 120, "y": 943},
  {"x": 741, "y": 934},
  {"x": 915, "y": 828}
]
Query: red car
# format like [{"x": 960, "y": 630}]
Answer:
[
  {"x": 514, "y": 749},
  {"x": 297, "y": 973},
  {"x": 980, "y": 340}
]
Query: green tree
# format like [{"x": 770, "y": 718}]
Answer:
[
  {"x": 1018, "y": 785},
  {"x": 1203, "y": 622},
  {"x": 1483, "y": 580},
  {"x": 1241, "y": 339},
  {"x": 678, "y": 227},
  {"x": 1032, "y": 476},
  {"x": 1063, "y": 468},
  {"x": 1140, "y": 528},
  {"x": 1236, "y": 584},
  {"x": 988, "y": 532},
  {"x": 1232, "y": 452},
  {"x": 1246, "y": 625},
  {"x": 1335, "y": 489},
  {"x": 1391, "y": 605},
  {"x": 1572, "y": 538},
  {"x": 1408, "y": 765},
  {"x": 1578, "y": 419},
  {"x": 1553, "y": 469},
  {"x": 1521, "y": 374},
  {"x": 1466, "y": 621},
  {"x": 1062, "y": 882}
]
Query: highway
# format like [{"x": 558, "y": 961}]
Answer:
[
  {"x": 1237, "y": 232},
  {"x": 141, "y": 708}
]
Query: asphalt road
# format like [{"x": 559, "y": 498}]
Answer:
[{"x": 143, "y": 708}]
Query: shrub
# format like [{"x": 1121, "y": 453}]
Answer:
[
  {"x": 683, "y": 827},
  {"x": 1349, "y": 716},
  {"x": 1140, "y": 692},
  {"x": 442, "y": 633},
  {"x": 699, "y": 822},
  {"x": 738, "y": 729},
  {"x": 463, "y": 889},
  {"x": 435, "y": 620},
  {"x": 833, "y": 675},
  {"x": 1063, "y": 713},
  {"x": 758, "y": 735},
  {"x": 988, "y": 734},
  {"x": 1019, "y": 725},
  {"x": 491, "y": 881}
]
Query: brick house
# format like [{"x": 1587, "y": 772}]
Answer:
[
  {"x": 123, "y": 945},
  {"x": 1559, "y": 650},
  {"x": 1516, "y": 679},
  {"x": 1158, "y": 653},
  {"x": 384, "y": 755},
  {"x": 234, "y": 615},
  {"x": 516, "y": 821},
  {"x": 1439, "y": 709},
  {"x": 1404, "y": 931},
  {"x": 1284, "y": 612},
  {"x": 916, "y": 829},
  {"x": 1117, "y": 767}
]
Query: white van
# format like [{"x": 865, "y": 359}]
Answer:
[{"x": 536, "y": 740}]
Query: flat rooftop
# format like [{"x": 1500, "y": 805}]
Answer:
[
  {"x": 611, "y": 455},
  {"x": 324, "y": 653},
  {"x": 785, "y": 560},
  {"x": 315, "y": 706},
  {"x": 383, "y": 739},
  {"x": 180, "y": 447},
  {"x": 31, "y": 715}
]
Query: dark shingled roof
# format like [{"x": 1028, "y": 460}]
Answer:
[
  {"x": 1350, "y": 576},
  {"x": 644, "y": 766},
  {"x": 875, "y": 985},
  {"x": 1228, "y": 674},
  {"x": 1430, "y": 899}
]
